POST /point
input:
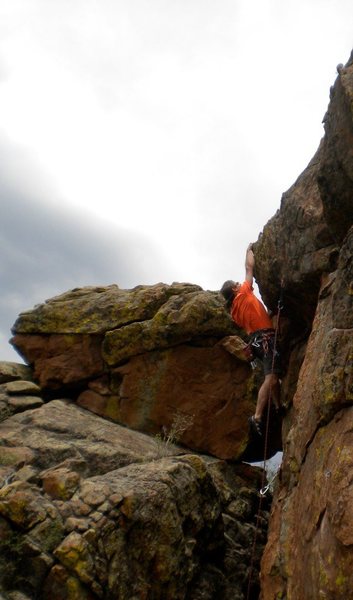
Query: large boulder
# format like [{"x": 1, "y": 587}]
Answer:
[
  {"x": 153, "y": 358},
  {"x": 90, "y": 509},
  {"x": 81, "y": 334}
]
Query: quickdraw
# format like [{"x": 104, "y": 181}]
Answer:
[{"x": 267, "y": 487}]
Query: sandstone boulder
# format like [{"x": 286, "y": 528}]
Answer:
[
  {"x": 95, "y": 310},
  {"x": 149, "y": 358}
]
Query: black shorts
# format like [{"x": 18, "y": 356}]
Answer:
[{"x": 263, "y": 347}]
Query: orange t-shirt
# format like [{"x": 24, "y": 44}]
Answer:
[{"x": 248, "y": 312}]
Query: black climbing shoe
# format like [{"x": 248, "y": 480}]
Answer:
[{"x": 256, "y": 425}]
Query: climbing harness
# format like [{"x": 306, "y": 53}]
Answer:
[
  {"x": 264, "y": 341},
  {"x": 264, "y": 488}
]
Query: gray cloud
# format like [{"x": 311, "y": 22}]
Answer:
[{"x": 46, "y": 251}]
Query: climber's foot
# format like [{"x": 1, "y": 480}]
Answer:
[{"x": 256, "y": 425}]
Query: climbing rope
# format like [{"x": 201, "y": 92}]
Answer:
[
  {"x": 264, "y": 488},
  {"x": 279, "y": 308}
]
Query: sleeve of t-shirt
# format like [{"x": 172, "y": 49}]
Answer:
[{"x": 246, "y": 288}]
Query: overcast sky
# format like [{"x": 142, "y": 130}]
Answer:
[{"x": 151, "y": 140}]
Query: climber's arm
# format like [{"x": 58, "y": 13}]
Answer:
[{"x": 249, "y": 264}]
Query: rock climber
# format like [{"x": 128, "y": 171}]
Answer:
[{"x": 250, "y": 314}]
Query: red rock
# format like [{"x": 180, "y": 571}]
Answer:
[
  {"x": 316, "y": 464},
  {"x": 61, "y": 361},
  {"x": 204, "y": 385}
]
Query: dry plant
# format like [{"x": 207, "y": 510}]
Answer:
[
  {"x": 172, "y": 435},
  {"x": 180, "y": 423}
]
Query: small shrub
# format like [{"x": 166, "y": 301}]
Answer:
[{"x": 172, "y": 435}]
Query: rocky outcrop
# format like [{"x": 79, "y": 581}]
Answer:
[
  {"x": 309, "y": 552},
  {"x": 17, "y": 390},
  {"x": 90, "y": 509},
  {"x": 148, "y": 358}
]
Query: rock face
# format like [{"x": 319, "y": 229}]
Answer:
[
  {"x": 150, "y": 358},
  {"x": 90, "y": 509},
  {"x": 310, "y": 549}
]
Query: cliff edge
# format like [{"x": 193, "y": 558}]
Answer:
[{"x": 310, "y": 241}]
